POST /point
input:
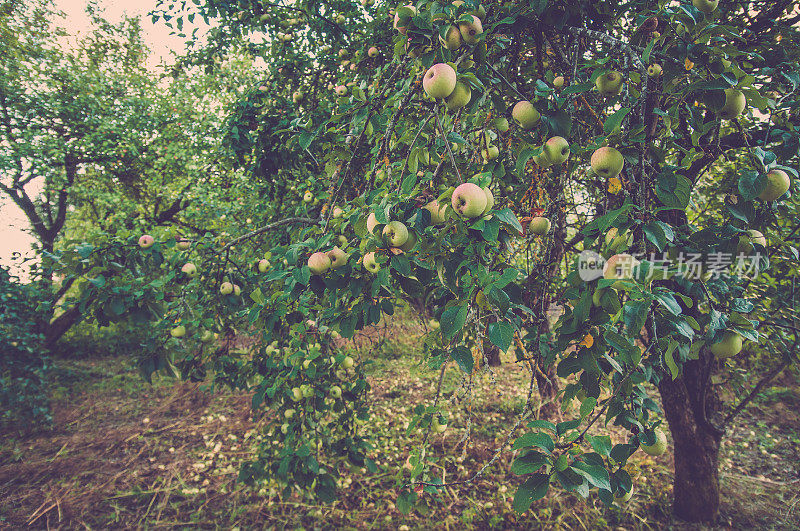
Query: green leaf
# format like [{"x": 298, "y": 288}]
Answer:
[
  {"x": 673, "y": 190},
  {"x": 601, "y": 444},
  {"x": 751, "y": 184},
  {"x": 539, "y": 423},
  {"x": 528, "y": 463},
  {"x": 596, "y": 475},
  {"x": 538, "y": 439},
  {"x": 409, "y": 183},
  {"x": 463, "y": 358},
  {"x": 508, "y": 217},
  {"x": 453, "y": 320},
  {"x": 257, "y": 296},
  {"x": 587, "y": 406},
  {"x": 533, "y": 489},
  {"x": 615, "y": 120},
  {"x": 670, "y": 360},
  {"x": 500, "y": 334}
]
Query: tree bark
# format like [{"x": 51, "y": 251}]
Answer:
[{"x": 687, "y": 402}]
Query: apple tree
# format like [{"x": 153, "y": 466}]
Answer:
[{"x": 605, "y": 187}]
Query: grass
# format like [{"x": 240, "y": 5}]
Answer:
[{"x": 124, "y": 453}]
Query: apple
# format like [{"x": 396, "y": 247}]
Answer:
[
  {"x": 459, "y": 97},
  {"x": 490, "y": 153},
  {"x": 189, "y": 269},
  {"x": 658, "y": 447},
  {"x": 297, "y": 394},
  {"x": 778, "y": 183},
  {"x": 348, "y": 362},
  {"x": 318, "y": 263},
  {"x": 558, "y": 82},
  {"x": 207, "y": 336},
  {"x": 289, "y": 413},
  {"x": 340, "y": 19},
  {"x": 178, "y": 331},
  {"x": 342, "y": 241},
  {"x": 654, "y": 70},
  {"x": 452, "y": 38},
  {"x": 237, "y": 290},
  {"x": 372, "y": 222},
  {"x": 297, "y": 97},
  {"x": 705, "y": 6},
  {"x": 556, "y": 150},
  {"x": 146, "y": 241},
  {"x": 183, "y": 244},
  {"x": 370, "y": 263},
  {"x": 395, "y": 233},
  {"x": 439, "y": 81},
  {"x": 437, "y": 426},
  {"x": 307, "y": 390},
  {"x": 541, "y": 160},
  {"x": 501, "y": 124},
  {"x": 757, "y": 237},
  {"x": 340, "y": 90},
  {"x": 373, "y": 51},
  {"x": 308, "y": 197},
  {"x": 263, "y": 265},
  {"x": 735, "y": 102},
  {"x": 620, "y": 266},
  {"x": 621, "y": 497},
  {"x": 469, "y": 200},
  {"x": 730, "y": 345},
  {"x": 437, "y": 212},
  {"x": 410, "y": 242},
  {"x": 337, "y": 257},
  {"x": 525, "y": 114},
  {"x": 226, "y": 288},
  {"x": 539, "y": 226},
  {"x": 607, "y": 162},
  {"x": 403, "y": 16},
  {"x": 609, "y": 84},
  {"x": 489, "y": 199},
  {"x": 471, "y": 31},
  {"x": 337, "y": 212},
  {"x": 336, "y": 392}
]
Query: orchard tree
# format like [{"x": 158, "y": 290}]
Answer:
[{"x": 629, "y": 163}]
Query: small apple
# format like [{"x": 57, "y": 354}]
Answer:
[
  {"x": 730, "y": 345},
  {"x": 437, "y": 426},
  {"x": 620, "y": 266},
  {"x": 658, "y": 447},
  {"x": 501, "y": 124},
  {"x": 607, "y": 162},
  {"x": 525, "y": 114},
  {"x": 183, "y": 244},
  {"x": 289, "y": 413},
  {"x": 207, "y": 336},
  {"x": 263, "y": 265},
  {"x": 307, "y": 391},
  {"x": 622, "y": 497},
  {"x": 335, "y": 392},
  {"x": 489, "y": 200},
  {"x": 558, "y": 82},
  {"x": 342, "y": 241},
  {"x": 654, "y": 70},
  {"x": 459, "y": 97},
  {"x": 319, "y": 263},
  {"x": 146, "y": 241},
  {"x": 237, "y": 290},
  {"x": 410, "y": 242},
  {"x": 297, "y": 394},
  {"x": 490, "y": 153},
  {"x": 469, "y": 200},
  {"x": 403, "y": 16},
  {"x": 340, "y": 19},
  {"x": 437, "y": 212},
  {"x": 735, "y": 103},
  {"x": 308, "y": 197},
  {"x": 189, "y": 269},
  {"x": 556, "y": 150},
  {"x": 705, "y": 6},
  {"x": 539, "y": 226},
  {"x": 439, "y": 81},
  {"x": 370, "y": 263},
  {"x": 348, "y": 362},
  {"x": 778, "y": 183},
  {"x": 297, "y": 97},
  {"x": 609, "y": 84},
  {"x": 178, "y": 331},
  {"x": 337, "y": 257},
  {"x": 372, "y": 222},
  {"x": 471, "y": 31},
  {"x": 340, "y": 90},
  {"x": 337, "y": 212},
  {"x": 373, "y": 52},
  {"x": 395, "y": 233},
  {"x": 452, "y": 38},
  {"x": 226, "y": 288}
]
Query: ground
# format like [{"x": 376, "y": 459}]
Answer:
[{"x": 125, "y": 453}]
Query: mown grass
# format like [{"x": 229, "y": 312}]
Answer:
[{"x": 125, "y": 453}]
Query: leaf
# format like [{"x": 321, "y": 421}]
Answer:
[
  {"x": 670, "y": 360},
  {"x": 453, "y": 320},
  {"x": 539, "y": 423},
  {"x": 596, "y": 475},
  {"x": 408, "y": 183},
  {"x": 508, "y": 217},
  {"x": 537, "y": 439},
  {"x": 524, "y": 156},
  {"x": 500, "y": 334},
  {"x": 601, "y": 444},
  {"x": 615, "y": 120},
  {"x": 528, "y": 463},
  {"x": 463, "y": 358},
  {"x": 533, "y": 489},
  {"x": 751, "y": 184},
  {"x": 673, "y": 191},
  {"x": 587, "y": 406}
]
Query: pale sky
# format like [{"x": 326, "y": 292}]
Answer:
[{"x": 13, "y": 224}]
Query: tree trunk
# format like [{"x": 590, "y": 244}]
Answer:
[{"x": 687, "y": 401}]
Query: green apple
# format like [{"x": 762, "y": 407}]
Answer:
[
  {"x": 459, "y": 97},
  {"x": 340, "y": 19},
  {"x": 654, "y": 70},
  {"x": 410, "y": 242},
  {"x": 189, "y": 269},
  {"x": 178, "y": 331},
  {"x": 730, "y": 345},
  {"x": 452, "y": 38},
  {"x": 207, "y": 336},
  {"x": 237, "y": 290},
  {"x": 183, "y": 244},
  {"x": 490, "y": 153},
  {"x": 342, "y": 241},
  {"x": 437, "y": 426},
  {"x": 778, "y": 183},
  {"x": 439, "y": 81},
  {"x": 307, "y": 391},
  {"x": 609, "y": 84},
  {"x": 437, "y": 212},
  {"x": 289, "y": 413},
  {"x": 658, "y": 447},
  {"x": 622, "y": 497},
  {"x": 336, "y": 391},
  {"x": 471, "y": 31},
  {"x": 525, "y": 114},
  {"x": 319, "y": 263},
  {"x": 757, "y": 237},
  {"x": 395, "y": 233},
  {"x": 403, "y": 16},
  {"x": 146, "y": 241},
  {"x": 501, "y": 124},
  {"x": 308, "y": 197},
  {"x": 469, "y": 200},
  {"x": 539, "y": 226},
  {"x": 348, "y": 362},
  {"x": 620, "y": 266},
  {"x": 558, "y": 82},
  {"x": 340, "y": 90},
  {"x": 297, "y": 97},
  {"x": 372, "y": 222},
  {"x": 607, "y": 162},
  {"x": 226, "y": 288},
  {"x": 735, "y": 103},
  {"x": 556, "y": 150},
  {"x": 489, "y": 200},
  {"x": 297, "y": 394},
  {"x": 370, "y": 263},
  {"x": 337, "y": 257},
  {"x": 373, "y": 51},
  {"x": 337, "y": 212},
  {"x": 705, "y": 6},
  {"x": 263, "y": 265}
]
